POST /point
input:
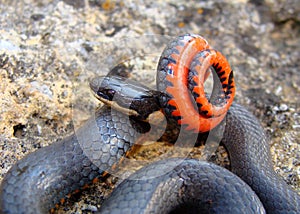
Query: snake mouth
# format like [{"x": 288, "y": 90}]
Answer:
[{"x": 113, "y": 104}]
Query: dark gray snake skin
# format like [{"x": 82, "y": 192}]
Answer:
[
  {"x": 250, "y": 159},
  {"x": 188, "y": 188},
  {"x": 38, "y": 181}
]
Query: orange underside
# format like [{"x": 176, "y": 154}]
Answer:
[{"x": 184, "y": 106}]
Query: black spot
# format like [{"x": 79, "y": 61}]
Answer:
[
  {"x": 195, "y": 95},
  {"x": 231, "y": 86},
  {"x": 177, "y": 117},
  {"x": 19, "y": 130},
  {"x": 217, "y": 68},
  {"x": 230, "y": 80},
  {"x": 222, "y": 79},
  {"x": 192, "y": 82},
  {"x": 171, "y": 60},
  {"x": 204, "y": 112},
  {"x": 171, "y": 107},
  {"x": 199, "y": 105},
  {"x": 37, "y": 17},
  {"x": 224, "y": 86},
  {"x": 221, "y": 73},
  {"x": 89, "y": 48}
]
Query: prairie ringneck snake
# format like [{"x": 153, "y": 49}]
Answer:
[{"x": 39, "y": 181}]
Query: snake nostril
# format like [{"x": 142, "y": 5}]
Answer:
[{"x": 95, "y": 83}]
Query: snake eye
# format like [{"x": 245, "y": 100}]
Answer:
[{"x": 107, "y": 94}]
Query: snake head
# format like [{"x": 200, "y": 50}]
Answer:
[{"x": 127, "y": 96}]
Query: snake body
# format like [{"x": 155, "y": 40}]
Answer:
[
  {"x": 40, "y": 180},
  {"x": 250, "y": 160},
  {"x": 188, "y": 188},
  {"x": 182, "y": 71}
]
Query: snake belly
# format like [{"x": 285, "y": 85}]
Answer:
[{"x": 181, "y": 72}]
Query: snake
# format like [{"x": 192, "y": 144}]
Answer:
[{"x": 42, "y": 179}]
